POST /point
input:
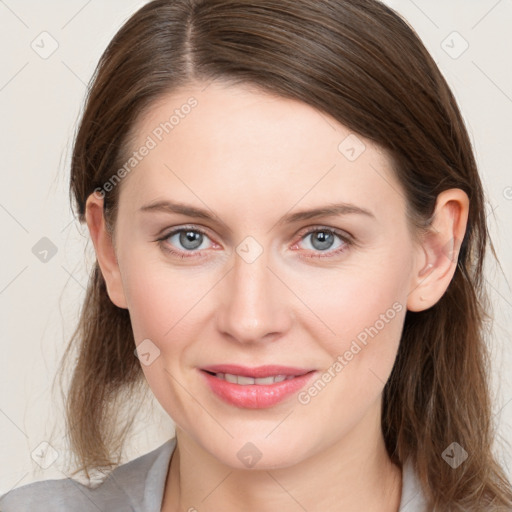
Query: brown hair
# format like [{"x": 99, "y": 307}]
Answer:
[{"x": 361, "y": 63}]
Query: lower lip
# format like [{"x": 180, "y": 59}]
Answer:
[{"x": 255, "y": 396}]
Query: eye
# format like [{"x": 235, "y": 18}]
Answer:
[
  {"x": 325, "y": 240},
  {"x": 185, "y": 239},
  {"x": 188, "y": 241}
]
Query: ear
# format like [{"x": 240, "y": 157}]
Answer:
[
  {"x": 438, "y": 250},
  {"x": 105, "y": 250}
]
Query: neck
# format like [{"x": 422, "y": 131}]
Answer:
[{"x": 353, "y": 474}]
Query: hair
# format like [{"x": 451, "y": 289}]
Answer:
[{"x": 361, "y": 63}]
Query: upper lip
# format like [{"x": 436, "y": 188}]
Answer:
[{"x": 256, "y": 372}]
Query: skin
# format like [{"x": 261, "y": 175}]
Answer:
[{"x": 252, "y": 158}]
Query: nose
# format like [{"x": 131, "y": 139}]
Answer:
[{"x": 253, "y": 302}]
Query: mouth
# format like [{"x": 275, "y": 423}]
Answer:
[{"x": 255, "y": 388}]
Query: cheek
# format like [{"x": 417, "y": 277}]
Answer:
[
  {"x": 151, "y": 302},
  {"x": 162, "y": 305},
  {"x": 364, "y": 310},
  {"x": 156, "y": 295},
  {"x": 357, "y": 298},
  {"x": 364, "y": 349},
  {"x": 166, "y": 305},
  {"x": 360, "y": 359}
]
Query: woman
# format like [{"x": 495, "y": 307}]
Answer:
[{"x": 290, "y": 231}]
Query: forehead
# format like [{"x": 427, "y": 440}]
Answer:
[{"x": 230, "y": 142}]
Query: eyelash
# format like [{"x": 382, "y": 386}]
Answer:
[{"x": 344, "y": 237}]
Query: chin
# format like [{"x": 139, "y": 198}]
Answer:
[{"x": 259, "y": 454}]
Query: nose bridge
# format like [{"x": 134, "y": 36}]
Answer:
[{"x": 253, "y": 305}]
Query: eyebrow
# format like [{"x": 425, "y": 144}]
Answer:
[{"x": 323, "y": 211}]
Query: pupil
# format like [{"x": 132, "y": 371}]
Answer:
[
  {"x": 190, "y": 239},
  {"x": 322, "y": 240}
]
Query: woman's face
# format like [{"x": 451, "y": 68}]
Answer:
[{"x": 255, "y": 280}]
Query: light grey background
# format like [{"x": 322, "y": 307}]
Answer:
[{"x": 40, "y": 100}]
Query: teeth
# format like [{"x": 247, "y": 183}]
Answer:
[{"x": 244, "y": 381}]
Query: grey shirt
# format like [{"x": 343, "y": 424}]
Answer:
[{"x": 137, "y": 486}]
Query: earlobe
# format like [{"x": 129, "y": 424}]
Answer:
[
  {"x": 439, "y": 250},
  {"x": 104, "y": 248}
]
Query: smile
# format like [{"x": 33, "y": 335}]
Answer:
[{"x": 255, "y": 388}]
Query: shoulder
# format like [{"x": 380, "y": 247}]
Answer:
[
  {"x": 412, "y": 499},
  {"x": 137, "y": 485}
]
